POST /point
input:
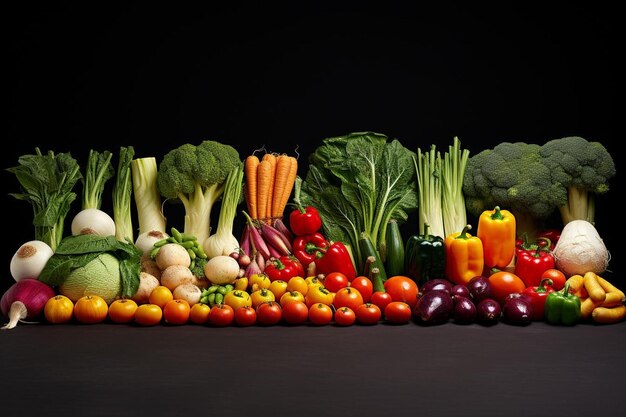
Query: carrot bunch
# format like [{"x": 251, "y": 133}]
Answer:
[
  {"x": 600, "y": 299},
  {"x": 269, "y": 182}
]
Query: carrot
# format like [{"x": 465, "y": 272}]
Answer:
[
  {"x": 596, "y": 292},
  {"x": 291, "y": 179},
  {"x": 575, "y": 283},
  {"x": 608, "y": 287},
  {"x": 586, "y": 307},
  {"x": 613, "y": 299},
  {"x": 250, "y": 165},
  {"x": 271, "y": 158},
  {"x": 283, "y": 165},
  {"x": 609, "y": 315},
  {"x": 264, "y": 172}
]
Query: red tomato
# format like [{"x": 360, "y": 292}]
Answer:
[
  {"x": 402, "y": 289},
  {"x": 295, "y": 312},
  {"x": 269, "y": 313},
  {"x": 398, "y": 312},
  {"x": 365, "y": 287},
  {"x": 320, "y": 314},
  {"x": 381, "y": 299},
  {"x": 176, "y": 312},
  {"x": 221, "y": 315},
  {"x": 344, "y": 316},
  {"x": 504, "y": 283},
  {"x": 245, "y": 316},
  {"x": 557, "y": 277},
  {"x": 368, "y": 313},
  {"x": 348, "y": 297},
  {"x": 335, "y": 281}
]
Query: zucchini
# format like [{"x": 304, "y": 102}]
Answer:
[
  {"x": 394, "y": 262},
  {"x": 367, "y": 250}
]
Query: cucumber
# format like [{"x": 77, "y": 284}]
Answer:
[
  {"x": 367, "y": 250},
  {"x": 394, "y": 262}
]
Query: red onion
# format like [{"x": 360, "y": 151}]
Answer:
[{"x": 24, "y": 300}]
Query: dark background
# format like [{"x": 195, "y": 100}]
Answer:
[{"x": 156, "y": 77}]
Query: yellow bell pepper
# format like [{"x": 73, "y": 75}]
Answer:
[
  {"x": 496, "y": 229},
  {"x": 464, "y": 256}
]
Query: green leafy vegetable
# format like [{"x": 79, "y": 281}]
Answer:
[
  {"x": 99, "y": 171},
  {"x": 122, "y": 192},
  {"x": 358, "y": 183},
  {"x": 429, "y": 185},
  {"x": 47, "y": 182},
  {"x": 452, "y": 200}
]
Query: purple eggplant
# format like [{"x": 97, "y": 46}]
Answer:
[
  {"x": 433, "y": 307},
  {"x": 488, "y": 311}
]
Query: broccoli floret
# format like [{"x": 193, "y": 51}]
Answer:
[
  {"x": 196, "y": 175},
  {"x": 512, "y": 176},
  {"x": 583, "y": 169}
]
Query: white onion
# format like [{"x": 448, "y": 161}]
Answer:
[
  {"x": 30, "y": 259},
  {"x": 93, "y": 221},
  {"x": 145, "y": 241}
]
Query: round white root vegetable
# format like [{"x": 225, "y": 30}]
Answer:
[
  {"x": 176, "y": 275},
  {"x": 188, "y": 292},
  {"x": 580, "y": 249},
  {"x": 147, "y": 283},
  {"x": 30, "y": 259},
  {"x": 172, "y": 254},
  {"x": 150, "y": 266},
  {"x": 221, "y": 270},
  {"x": 146, "y": 241},
  {"x": 93, "y": 221}
]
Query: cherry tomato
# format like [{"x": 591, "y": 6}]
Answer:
[
  {"x": 336, "y": 281},
  {"x": 160, "y": 296},
  {"x": 176, "y": 312},
  {"x": 314, "y": 280},
  {"x": 368, "y": 313},
  {"x": 504, "y": 283},
  {"x": 318, "y": 294},
  {"x": 122, "y": 311},
  {"x": 348, "y": 297},
  {"x": 199, "y": 313},
  {"x": 398, "y": 312},
  {"x": 59, "y": 309},
  {"x": 90, "y": 309},
  {"x": 557, "y": 277},
  {"x": 245, "y": 316},
  {"x": 237, "y": 299},
  {"x": 320, "y": 314},
  {"x": 295, "y": 312},
  {"x": 261, "y": 296},
  {"x": 221, "y": 315},
  {"x": 381, "y": 299},
  {"x": 365, "y": 287},
  {"x": 402, "y": 289},
  {"x": 148, "y": 314},
  {"x": 278, "y": 287},
  {"x": 298, "y": 284},
  {"x": 291, "y": 296},
  {"x": 344, "y": 316},
  {"x": 269, "y": 313}
]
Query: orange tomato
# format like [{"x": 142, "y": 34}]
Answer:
[
  {"x": 319, "y": 294},
  {"x": 160, "y": 296},
  {"x": 91, "y": 309},
  {"x": 504, "y": 283},
  {"x": 557, "y": 277},
  {"x": 320, "y": 314},
  {"x": 402, "y": 289},
  {"x": 199, "y": 313},
  {"x": 290, "y": 297},
  {"x": 148, "y": 314},
  {"x": 122, "y": 311},
  {"x": 58, "y": 309},
  {"x": 348, "y": 297},
  {"x": 298, "y": 284},
  {"x": 176, "y": 312}
]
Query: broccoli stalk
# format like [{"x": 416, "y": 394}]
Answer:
[
  {"x": 196, "y": 176},
  {"x": 580, "y": 205}
]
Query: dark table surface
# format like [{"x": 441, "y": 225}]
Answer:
[{"x": 450, "y": 369}]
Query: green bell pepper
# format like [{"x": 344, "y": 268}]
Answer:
[
  {"x": 562, "y": 307},
  {"x": 425, "y": 257}
]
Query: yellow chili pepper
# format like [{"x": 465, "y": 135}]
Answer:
[
  {"x": 496, "y": 229},
  {"x": 464, "y": 256}
]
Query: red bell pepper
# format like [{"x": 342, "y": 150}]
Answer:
[
  {"x": 275, "y": 269},
  {"x": 290, "y": 260},
  {"x": 305, "y": 221},
  {"x": 305, "y": 247},
  {"x": 532, "y": 264},
  {"x": 335, "y": 258},
  {"x": 549, "y": 237},
  {"x": 523, "y": 245},
  {"x": 538, "y": 296}
]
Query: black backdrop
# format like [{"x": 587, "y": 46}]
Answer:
[{"x": 156, "y": 77}]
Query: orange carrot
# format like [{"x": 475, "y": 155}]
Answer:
[
  {"x": 283, "y": 166},
  {"x": 271, "y": 158},
  {"x": 291, "y": 179},
  {"x": 250, "y": 166},
  {"x": 263, "y": 185}
]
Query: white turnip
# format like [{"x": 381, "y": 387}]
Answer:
[
  {"x": 93, "y": 221},
  {"x": 30, "y": 259},
  {"x": 172, "y": 254},
  {"x": 580, "y": 249}
]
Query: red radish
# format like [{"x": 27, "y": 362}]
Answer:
[{"x": 25, "y": 299}]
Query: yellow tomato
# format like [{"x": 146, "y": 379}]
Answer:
[
  {"x": 319, "y": 295},
  {"x": 278, "y": 287},
  {"x": 261, "y": 281},
  {"x": 314, "y": 280},
  {"x": 148, "y": 314},
  {"x": 122, "y": 311},
  {"x": 237, "y": 299},
  {"x": 261, "y": 296},
  {"x": 160, "y": 296},
  {"x": 199, "y": 313},
  {"x": 298, "y": 284},
  {"x": 290, "y": 297},
  {"x": 59, "y": 309},
  {"x": 241, "y": 284},
  {"x": 91, "y": 309}
]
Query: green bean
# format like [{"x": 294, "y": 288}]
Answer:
[
  {"x": 172, "y": 239},
  {"x": 192, "y": 254},
  {"x": 188, "y": 244},
  {"x": 211, "y": 298},
  {"x": 177, "y": 235},
  {"x": 188, "y": 236},
  {"x": 160, "y": 243},
  {"x": 219, "y": 298},
  {"x": 153, "y": 252}
]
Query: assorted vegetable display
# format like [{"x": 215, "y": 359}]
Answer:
[{"x": 322, "y": 247}]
